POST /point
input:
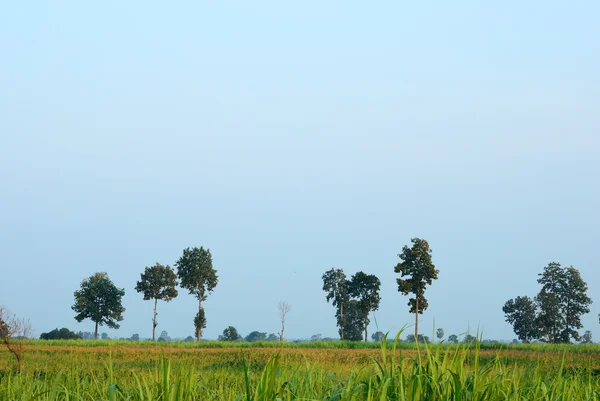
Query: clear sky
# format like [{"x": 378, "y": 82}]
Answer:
[{"x": 292, "y": 137}]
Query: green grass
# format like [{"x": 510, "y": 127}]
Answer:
[{"x": 397, "y": 372}]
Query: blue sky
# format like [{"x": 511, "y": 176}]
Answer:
[{"x": 292, "y": 138}]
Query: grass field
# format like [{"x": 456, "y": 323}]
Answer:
[{"x": 115, "y": 370}]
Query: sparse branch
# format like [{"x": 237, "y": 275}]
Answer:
[
  {"x": 14, "y": 332},
  {"x": 284, "y": 308}
]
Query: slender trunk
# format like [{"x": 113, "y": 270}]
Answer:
[
  {"x": 282, "y": 328},
  {"x": 96, "y": 332},
  {"x": 199, "y": 327},
  {"x": 342, "y": 321},
  {"x": 417, "y": 318},
  {"x": 366, "y": 333},
  {"x": 154, "y": 324}
]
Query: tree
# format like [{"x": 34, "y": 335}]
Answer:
[
  {"x": 378, "y": 336},
  {"x": 419, "y": 271},
  {"x": 104, "y": 336},
  {"x": 62, "y": 334},
  {"x": 353, "y": 327},
  {"x": 197, "y": 275},
  {"x": 157, "y": 282},
  {"x": 521, "y": 313},
  {"x": 453, "y": 339},
  {"x": 284, "y": 309},
  {"x": 189, "y": 339},
  {"x": 336, "y": 286},
  {"x": 230, "y": 334},
  {"x": 256, "y": 336},
  {"x": 273, "y": 337},
  {"x": 439, "y": 334},
  {"x": 365, "y": 288},
  {"x": 316, "y": 337},
  {"x": 99, "y": 300},
  {"x": 14, "y": 333},
  {"x": 586, "y": 338},
  {"x": 469, "y": 339},
  {"x": 164, "y": 336},
  {"x": 422, "y": 339},
  {"x": 561, "y": 301},
  {"x": 135, "y": 337}
]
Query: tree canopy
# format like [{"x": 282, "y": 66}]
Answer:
[
  {"x": 197, "y": 275},
  {"x": 157, "y": 282},
  {"x": 417, "y": 271},
  {"x": 99, "y": 300}
]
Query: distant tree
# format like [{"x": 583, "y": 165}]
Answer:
[
  {"x": 157, "y": 282},
  {"x": 453, "y": 339},
  {"x": 521, "y": 313},
  {"x": 365, "y": 289},
  {"x": 469, "y": 339},
  {"x": 273, "y": 337},
  {"x": 422, "y": 339},
  {"x": 197, "y": 275},
  {"x": 419, "y": 271},
  {"x": 256, "y": 336},
  {"x": 105, "y": 336},
  {"x": 230, "y": 334},
  {"x": 377, "y": 336},
  {"x": 189, "y": 339},
  {"x": 316, "y": 337},
  {"x": 439, "y": 334},
  {"x": 135, "y": 337},
  {"x": 86, "y": 335},
  {"x": 164, "y": 336},
  {"x": 561, "y": 301},
  {"x": 336, "y": 287},
  {"x": 284, "y": 309},
  {"x": 515, "y": 341},
  {"x": 14, "y": 333},
  {"x": 62, "y": 334},
  {"x": 99, "y": 300},
  {"x": 586, "y": 338}
]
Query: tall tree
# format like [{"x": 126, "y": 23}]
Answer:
[
  {"x": 99, "y": 300},
  {"x": 439, "y": 334},
  {"x": 230, "y": 334},
  {"x": 195, "y": 270},
  {"x": 561, "y": 301},
  {"x": 336, "y": 286},
  {"x": 353, "y": 323},
  {"x": 157, "y": 282},
  {"x": 521, "y": 313},
  {"x": 419, "y": 271},
  {"x": 365, "y": 289}
]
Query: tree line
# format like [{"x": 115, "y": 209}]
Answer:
[{"x": 552, "y": 316}]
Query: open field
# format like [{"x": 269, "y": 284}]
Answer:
[{"x": 113, "y": 370}]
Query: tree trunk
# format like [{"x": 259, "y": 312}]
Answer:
[
  {"x": 282, "y": 328},
  {"x": 96, "y": 332},
  {"x": 154, "y": 324},
  {"x": 417, "y": 318},
  {"x": 366, "y": 334},
  {"x": 199, "y": 327},
  {"x": 342, "y": 321}
]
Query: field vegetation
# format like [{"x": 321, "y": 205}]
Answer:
[{"x": 332, "y": 370}]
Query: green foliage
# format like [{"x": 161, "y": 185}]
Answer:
[
  {"x": 272, "y": 337},
  {"x": 230, "y": 334},
  {"x": 256, "y": 336},
  {"x": 4, "y": 329},
  {"x": 377, "y": 336},
  {"x": 417, "y": 271},
  {"x": 521, "y": 313},
  {"x": 561, "y": 301},
  {"x": 365, "y": 289},
  {"x": 99, "y": 300},
  {"x": 336, "y": 287},
  {"x": 439, "y": 334},
  {"x": 586, "y": 338},
  {"x": 157, "y": 282},
  {"x": 197, "y": 275},
  {"x": 62, "y": 334},
  {"x": 354, "y": 324},
  {"x": 453, "y": 339}
]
